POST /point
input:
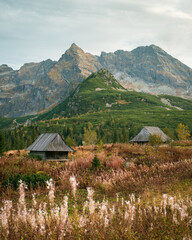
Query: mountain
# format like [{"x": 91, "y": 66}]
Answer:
[
  {"x": 39, "y": 86},
  {"x": 36, "y": 87},
  {"x": 149, "y": 69},
  {"x": 101, "y": 92},
  {"x": 101, "y": 102}
]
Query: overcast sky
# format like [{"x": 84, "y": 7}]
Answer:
[{"x": 35, "y": 30}]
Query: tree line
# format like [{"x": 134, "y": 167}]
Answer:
[{"x": 110, "y": 131}]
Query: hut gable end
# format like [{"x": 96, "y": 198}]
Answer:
[
  {"x": 49, "y": 142},
  {"x": 144, "y": 134}
]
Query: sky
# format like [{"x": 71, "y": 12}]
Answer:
[{"x": 35, "y": 30}]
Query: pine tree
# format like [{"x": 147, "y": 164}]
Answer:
[
  {"x": 70, "y": 141},
  {"x": 2, "y": 144},
  {"x": 95, "y": 163}
]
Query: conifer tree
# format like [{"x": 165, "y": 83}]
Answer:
[{"x": 2, "y": 144}]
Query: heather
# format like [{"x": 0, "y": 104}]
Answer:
[{"x": 115, "y": 191}]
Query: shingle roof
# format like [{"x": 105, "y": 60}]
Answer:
[
  {"x": 144, "y": 134},
  {"x": 49, "y": 142}
]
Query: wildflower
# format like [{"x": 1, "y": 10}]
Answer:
[
  {"x": 34, "y": 200},
  {"x": 117, "y": 195},
  {"x": 4, "y": 216},
  {"x": 31, "y": 217},
  {"x": 106, "y": 221},
  {"x": 41, "y": 220},
  {"x": 103, "y": 208},
  {"x": 63, "y": 217},
  {"x": 73, "y": 185},
  {"x": 132, "y": 198},
  {"x": 22, "y": 210},
  {"x": 91, "y": 201},
  {"x": 51, "y": 188},
  {"x": 22, "y": 187},
  {"x": 82, "y": 221}
]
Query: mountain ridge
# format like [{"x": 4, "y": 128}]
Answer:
[
  {"x": 36, "y": 87},
  {"x": 102, "y": 92}
]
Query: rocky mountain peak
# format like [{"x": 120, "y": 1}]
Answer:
[
  {"x": 73, "y": 51},
  {"x": 75, "y": 47},
  {"x": 149, "y": 49},
  {"x": 5, "y": 68},
  {"x": 38, "y": 86}
]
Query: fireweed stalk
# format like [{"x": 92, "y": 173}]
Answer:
[{"x": 42, "y": 220}]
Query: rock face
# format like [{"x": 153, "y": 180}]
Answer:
[
  {"x": 39, "y": 86},
  {"x": 149, "y": 69}
]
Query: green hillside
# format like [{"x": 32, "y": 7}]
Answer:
[
  {"x": 115, "y": 113},
  {"x": 101, "y": 92}
]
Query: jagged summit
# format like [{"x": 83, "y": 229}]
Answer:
[
  {"x": 38, "y": 86},
  {"x": 5, "y": 68},
  {"x": 74, "y": 46},
  {"x": 73, "y": 51},
  {"x": 148, "y": 49}
]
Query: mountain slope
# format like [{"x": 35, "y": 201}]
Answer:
[
  {"x": 102, "y": 92},
  {"x": 37, "y": 87},
  {"x": 149, "y": 69}
]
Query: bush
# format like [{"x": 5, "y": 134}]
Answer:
[
  {"x": 115, "y": 162},
  {"x": 95, "y": 163},
  {"x": 37, "y": 157},
  {"x": 32, "y": 181}
]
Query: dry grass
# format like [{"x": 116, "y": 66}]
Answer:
[{"x": 125, "y": 169}]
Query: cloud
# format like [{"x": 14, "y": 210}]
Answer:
[{"x": 37, "y": 30}]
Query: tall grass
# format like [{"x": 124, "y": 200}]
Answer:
[
  {"x": 123, "y": 219},
  {"x": 110, "y": 202}
]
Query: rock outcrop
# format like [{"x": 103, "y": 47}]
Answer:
[
  {"x": 36, "y": 87},
  {"x": 149, "y": 69}
]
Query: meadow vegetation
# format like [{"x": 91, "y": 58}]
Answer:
[{"x": 110, "y": 191}]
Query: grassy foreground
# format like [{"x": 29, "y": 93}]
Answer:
[{"x": 132, "y": 192}]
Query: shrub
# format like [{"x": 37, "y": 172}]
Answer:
[
  {"x": 37, "y": 157},
  {"x": 115, "y": 162},
  {"x": 95, "y": 163},
  {"x": 32, "y": 181}
]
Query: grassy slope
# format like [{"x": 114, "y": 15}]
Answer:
[
  {"x": 7, "y": 122},
  {"x": 87, "y": 104},
  {"x": 100, "y": 98}
]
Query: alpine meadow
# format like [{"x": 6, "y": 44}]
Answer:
[{"x": 95, "y": 146}]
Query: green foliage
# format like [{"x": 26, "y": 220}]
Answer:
[
  {"x": 155, "y": 140},
  {"x": 70, "y": 141},
  {"x": 179, "y": 102},
  {"x": 100, "y": 144},
  {"x": 90, "y": 136},
  {"x": 169, "y": 132},
  {"x": 2, "y": 143},
  {"x": 183, "y": 132},
  {"x": 116, "y": 115},
  {"x": 32, "y": 180},
  {"x": 95, "y": 163},
  {"x": 34, "y": 156}
]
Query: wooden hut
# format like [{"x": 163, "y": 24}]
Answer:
[
  {"x": 144, "y": 134},
  {"x": 50, "y": 146}
]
